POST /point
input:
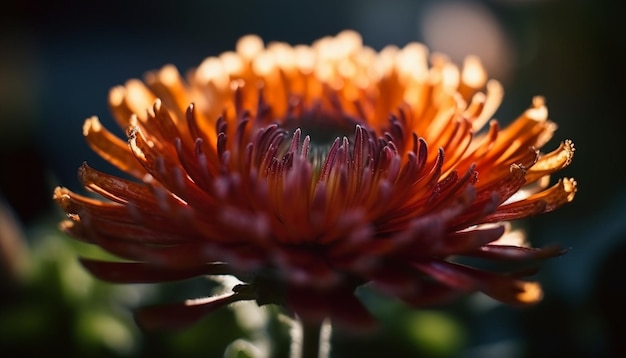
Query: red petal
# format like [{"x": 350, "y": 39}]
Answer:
[
  {"x": 395, "y": 278},
  {"x": 448, "y": 274},
  {"x": 139, "y": 272},
  {"x": 506, "y": 252},
  {"x": 460, "y": 242},
  {"x": 503, "y": 288},
  {"x": 116, "y": 189},
  {"x": 430, "y": 293},
  {"x": 165, "y": 168},
  {"x": 182, "y": 315},
  {"x": 184, "y": 255}
]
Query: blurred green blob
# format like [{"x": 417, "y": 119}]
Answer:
[
  {"x": 436, "y": 333},
  {"x": 59, "y": 309},
  {"x": 95, "y": 328}
]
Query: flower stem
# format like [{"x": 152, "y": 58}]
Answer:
[{"x": 314, "y": 340}]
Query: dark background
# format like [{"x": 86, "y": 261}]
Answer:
[{"x": 59, "y": 60}]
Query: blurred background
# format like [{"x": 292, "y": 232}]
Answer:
[{"x": 58, "y": 61}]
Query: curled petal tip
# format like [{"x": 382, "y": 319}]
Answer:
[
  {"x": 538, "y": 112},
  {"x": 92, "y": 124},
  {"x": 57, "y": 192},
  {"x": 571, "y": 187},
  {"x": 531, "y": 292}
]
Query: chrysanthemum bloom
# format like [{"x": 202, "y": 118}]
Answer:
[{"x": 309, "y": 171}]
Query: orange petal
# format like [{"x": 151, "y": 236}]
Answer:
[
  {"x": 111, "y": 148},
  {"x": 552, "y": 162},
  {"x": 561, "y": 193}
]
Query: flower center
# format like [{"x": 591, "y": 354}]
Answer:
[{"x": 322, "y": 129}]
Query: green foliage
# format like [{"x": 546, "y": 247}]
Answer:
[{"x": 60, "y": 309}]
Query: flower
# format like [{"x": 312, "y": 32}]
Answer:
[{"x": 308, "y": 171}]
